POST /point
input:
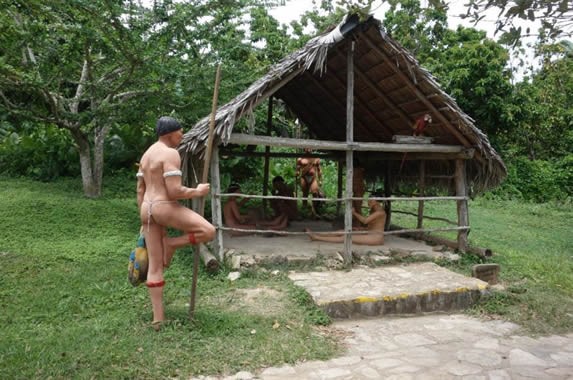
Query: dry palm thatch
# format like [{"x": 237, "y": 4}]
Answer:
[{"x": 391, "y": 91}]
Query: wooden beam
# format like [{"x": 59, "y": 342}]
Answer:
[
  {"x": 307, "y": 116},
  {"x": 417, "y": 92},
  {"x": 336, "y": 101},
  {"x": 330, "y": 156},
  {"x": 386, "y": 130},
  {"x": 324, "y": 111},
  {"x": 274, "y": 89},
  {"x": 391, "y": 156},
  {"x": 374, "y": 87},
  {"x": 244, "y": 139}
]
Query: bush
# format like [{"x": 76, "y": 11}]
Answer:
[
  {"x": 537, "y": 180},
  {"x": 42, "y": 153}
]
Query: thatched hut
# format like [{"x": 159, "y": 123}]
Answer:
[{"x": 357, "y": 70}]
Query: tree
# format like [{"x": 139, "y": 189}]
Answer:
[
  {"x": 89, "y": 66},
  {"x": 556, "y": 16},
  {"x": 420, "y": 30},
  {"x": 74, "y": 66},
  {"x": 470, "y": 67},
  {"x": 543, "y": 107}
]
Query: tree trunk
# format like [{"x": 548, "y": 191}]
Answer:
[
  {"x": 100, "y": 135},
  {"x": 91, "y": 188}
]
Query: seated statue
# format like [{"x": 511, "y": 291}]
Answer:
[
  {"x": 375, "y": 226},
  {"x": 233, "y": 217}
]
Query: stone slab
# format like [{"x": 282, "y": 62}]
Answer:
[{"x": 393, "y": 289}]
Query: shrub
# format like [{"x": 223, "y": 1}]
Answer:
[{"x": 537, "y": 180}]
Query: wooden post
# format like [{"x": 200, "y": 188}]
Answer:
[
  {"x": 267, "y": 155},
  {"x": 349, "y": 156},
  {"x": 339, "y": 186},
  {"x": 388, "y": 193},
  {"x": 422, "y": 186},
  {"x": 205, "y": 177},
  {"x": 463, "y": 217},
  {"x": 216, "y": 209}
]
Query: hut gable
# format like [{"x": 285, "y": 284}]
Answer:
[{"x": 391, "y": 91}]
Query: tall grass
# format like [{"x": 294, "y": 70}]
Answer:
[{"x": 68, "y": 310}]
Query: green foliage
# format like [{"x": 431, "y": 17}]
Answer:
[
  {"x": 553, "y": 15},
  {"x": 472, "y": 69},
  {"x": 537, "y": 180},
  {"x": 420, "y": 30},
  {"x": 541, "y": 114},
  {"x": 40, "y": 153}
]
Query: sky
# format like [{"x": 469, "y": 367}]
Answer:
[{"x": 293, "y": 9}]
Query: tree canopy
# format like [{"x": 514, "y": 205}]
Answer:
[{"x": 86, "y": 80}]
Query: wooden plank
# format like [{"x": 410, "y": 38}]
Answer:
[
  {"x": 402, "y": 139},
  {"x": 244, "y": 139},
  {"x": 375, "y": 156}
]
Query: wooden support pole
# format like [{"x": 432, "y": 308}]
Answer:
[
  {"x": 267, "y": 154},
  {"x": 205, "y": 177},
  {"x": 463, "y": 217},
  {"x": 422, "y": 186},
  {"x": 349, "y": 155},
  {"x": 216, "y": 208},
  {"x": 388, "y": 193},
  {"x": 339, "y": 186}
]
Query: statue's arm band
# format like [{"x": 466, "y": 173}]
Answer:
[{"x": 172, "y": 173}]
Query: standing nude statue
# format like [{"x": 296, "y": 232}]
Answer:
[
  {"x": 158, "y": 189},
  {"x": 375, "y": 226},
  {"x": 308, "y": 170}
]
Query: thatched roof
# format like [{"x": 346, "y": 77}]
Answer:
[{"x": 391, "y": 91}]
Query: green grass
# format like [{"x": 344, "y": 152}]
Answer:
[
  {"x": 68, "y": 310},
  {"x": 533, "y": 243}
]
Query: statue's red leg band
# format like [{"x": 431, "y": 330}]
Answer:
[
  {"x": 192, "y": 238},
  {"x": 155, "y": 284}
]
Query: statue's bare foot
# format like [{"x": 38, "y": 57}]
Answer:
[{"x": 168, "y": 253}]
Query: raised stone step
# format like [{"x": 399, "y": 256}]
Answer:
[{"x": 394, "y": 289}]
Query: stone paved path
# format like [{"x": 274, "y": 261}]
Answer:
[{"x": 436, "y": 346}]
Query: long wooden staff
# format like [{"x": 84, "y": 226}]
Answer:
[{"x": 204, "y": 179}]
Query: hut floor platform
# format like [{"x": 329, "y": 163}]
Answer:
[
  {"x": 259, "y": 248},
  {"x": 378, "y": 284}
]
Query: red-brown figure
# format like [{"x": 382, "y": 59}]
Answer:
[
  {"x": 308, "y": 170},
  {"x": 421, "y": 124}
]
